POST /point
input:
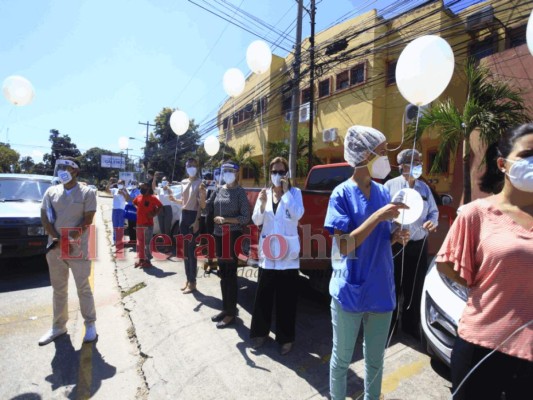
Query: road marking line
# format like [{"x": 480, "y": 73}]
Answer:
[
  {"x": 85, "y": 371},
  {"x": 392, "y": 380}
]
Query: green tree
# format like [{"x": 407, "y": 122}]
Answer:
[
  {"x": 91, "y": 165},
  {"x": 492, "y": 106},
  {"x": 62, "y": 146},
  {"x": 164, "y": 146},
  {"x": 42, "y": 169},
  {"x": 244, "y": 158},
  {"x": 8, "y": 158},
  {"x": 281, "y": 149},
  {"x": 26, "y": 164}
]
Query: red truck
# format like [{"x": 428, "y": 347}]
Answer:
[{"x": 315, "y": 255}]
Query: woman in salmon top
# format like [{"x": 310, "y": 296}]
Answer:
[{"x": 489, "y": 249}]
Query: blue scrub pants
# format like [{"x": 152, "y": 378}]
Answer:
[
  {"x": 118, "y": 219},
  {"x": 345, "y": 331}
]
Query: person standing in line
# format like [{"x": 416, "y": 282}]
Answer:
[
  {"x": 410, "y": 269},
  {"x": 362, "y": 282},
  {"x": 165, "y": 217},
  {"x": 190, "y": 222},
  {"x": 278, "y": 210},
  {"x": 120, "y": 197},
  {"x": 489, "y": 249},
  {"x": 133, "y": 191},
  {"x": 68, "y": 209},
  {"x": 148, "y": 206},
  {"x": 231, "y": 213}
]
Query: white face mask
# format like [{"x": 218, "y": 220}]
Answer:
[
  {"x": 120, "y": 186},
  {"x": 416, "y": 171},
  {"x": 191, "y": 171},
  {"x": 164, "y": 183},
  {"x": 380, "y": 167},
  {"x": 229, "y": 177},
  {"x": 276, "y": 179},
  {"x": 521, "y": 174},
  {"x": 64, "y": 176}
]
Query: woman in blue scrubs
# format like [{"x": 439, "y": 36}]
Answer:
[{"x": 362, "y": 284}]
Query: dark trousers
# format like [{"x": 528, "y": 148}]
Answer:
[
  {"x": 227, "y": 265},
  {"x": 409, "y": 290},
  {"x": 498, "y": 373},
  {"x": 132, "y": 233},
  {"x": 188, "y": 217},
  {"x": 280, "y": 286},
  {"x": 165, "y": 220}
]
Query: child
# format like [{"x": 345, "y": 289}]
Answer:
[
  {"x": 120, "y": 197},
  {"x": 148, "y": 206}
]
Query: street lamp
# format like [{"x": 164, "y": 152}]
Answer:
[{"x": 124, "y": 144}]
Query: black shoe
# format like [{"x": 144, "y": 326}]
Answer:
[
  {"x": 218, "y": 317},
  {"x": 222, "y": 324}
]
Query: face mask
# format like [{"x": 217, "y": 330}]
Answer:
[
  {"x": 64, "y": 177},
  {"x": 229, "y": 177},
  {"x": 191, "y": 171},
  {"x": 120, "y": 186},
  {"x": 164, "y": 183},
  {"x": 416, "y": 171},
  {"x": 276, "y": 179},
  {"x": 380, "y": 167},
  {"x": 521, "y": 174}
]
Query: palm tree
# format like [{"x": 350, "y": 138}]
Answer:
[
  {"x": 243, "y": 157},
  {"x": 492, "y": 107}
]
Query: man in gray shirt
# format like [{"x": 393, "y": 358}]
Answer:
[{"x": 409, "y": 275}]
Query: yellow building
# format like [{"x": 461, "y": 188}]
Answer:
[{"x": 355, "y": 80}]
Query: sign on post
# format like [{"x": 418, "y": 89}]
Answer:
[{"x": 117, "y": 162}]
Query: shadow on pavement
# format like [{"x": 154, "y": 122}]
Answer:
[
  {"x": 23, "y": 273},
  {"x": 66, "y": 366},
  {"x": 157, "y": 272}
]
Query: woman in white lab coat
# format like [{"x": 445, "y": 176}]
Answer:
[{"x": 278, "y": 210}]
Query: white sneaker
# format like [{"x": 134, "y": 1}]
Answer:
[
  {"x": 51, "y": 335},
  {"x": 90, "y": 333}
]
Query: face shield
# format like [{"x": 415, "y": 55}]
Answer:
[{"x": 62, "y": 170}]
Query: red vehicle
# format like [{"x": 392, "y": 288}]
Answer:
[{"x": 315, "y": 255}]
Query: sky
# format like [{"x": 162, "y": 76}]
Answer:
[{"x": 100, "y": 67}]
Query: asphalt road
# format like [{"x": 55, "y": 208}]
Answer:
[{"x": 157, "y": 343}]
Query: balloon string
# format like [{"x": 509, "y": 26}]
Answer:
[
  {"x": 261, "y": 138},
  {"x": 7, "y": 121},
  {"x": 175, "y": 155}
]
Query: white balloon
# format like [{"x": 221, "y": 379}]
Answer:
[
  {"x": 18, "y": 90},
  {"x": 179, "y": 122},
  {"x": 424, "y": 69},
  {"x": 413, "y": 200},
  {"x": 529, "y": 33},
  {"x": 258, "y": 57},
  {"x": 123, "y": 142},
  {"x": 233, "y": 82},
  {"x": 211, "y": 145}
]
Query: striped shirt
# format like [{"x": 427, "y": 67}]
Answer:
[{"x": 494, "y": 255}]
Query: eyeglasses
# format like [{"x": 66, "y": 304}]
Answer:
[{"x": 278, "y": 172}]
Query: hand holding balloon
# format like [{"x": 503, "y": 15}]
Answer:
[
  {"x": 390, "y": 211},
  {"x": 401, "y": 236},
  {"x": 414, "y": 206},
  {"x": 429, "y": 226}
]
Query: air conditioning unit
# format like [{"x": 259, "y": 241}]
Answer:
[
  {"x": 329, "y": 135},
  {"x": 481, "y": 19},
  {"x": 288, "y": 116},
  {"x": 304, "y": 113},
  {"x": 411, "y": 112}
]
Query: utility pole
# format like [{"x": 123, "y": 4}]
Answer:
[
  {"x": 311, "y": 87},
  {"x": 148, "y": 125},
  {"x": 293, "y": 143}
]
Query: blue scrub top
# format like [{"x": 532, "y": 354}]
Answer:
[{"x": 362, "y": 281}]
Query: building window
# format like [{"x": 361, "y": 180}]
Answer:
[
  {"x": 286, "y": 98},
  {"x": 357, "y": 74},
  {"x": 248, "y": 173},
  {"x": 517, "y": 36},
  {"x": 225, "y": 123},
  {"x": 324, "y": 88},
  {"x": 343, "y": 80},
  {"x": 442, "y": 167},
  {"x": 391, "y": 72},
  {"x": 262, "y": 105},
  {"x": 305, "y": 96},
  {"x": 482, "y": 49}
]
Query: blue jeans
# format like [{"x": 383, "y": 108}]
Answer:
[
  {"x": 188, "y": 217},
  {"x": 345, "y": 331},
  {"x": 117, "y": 218}
]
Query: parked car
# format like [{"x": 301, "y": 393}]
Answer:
[
  {"x": 21, "y": 232},
  {"x": 176, "y": 213},
  {"x": 443, "y": 302}
]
